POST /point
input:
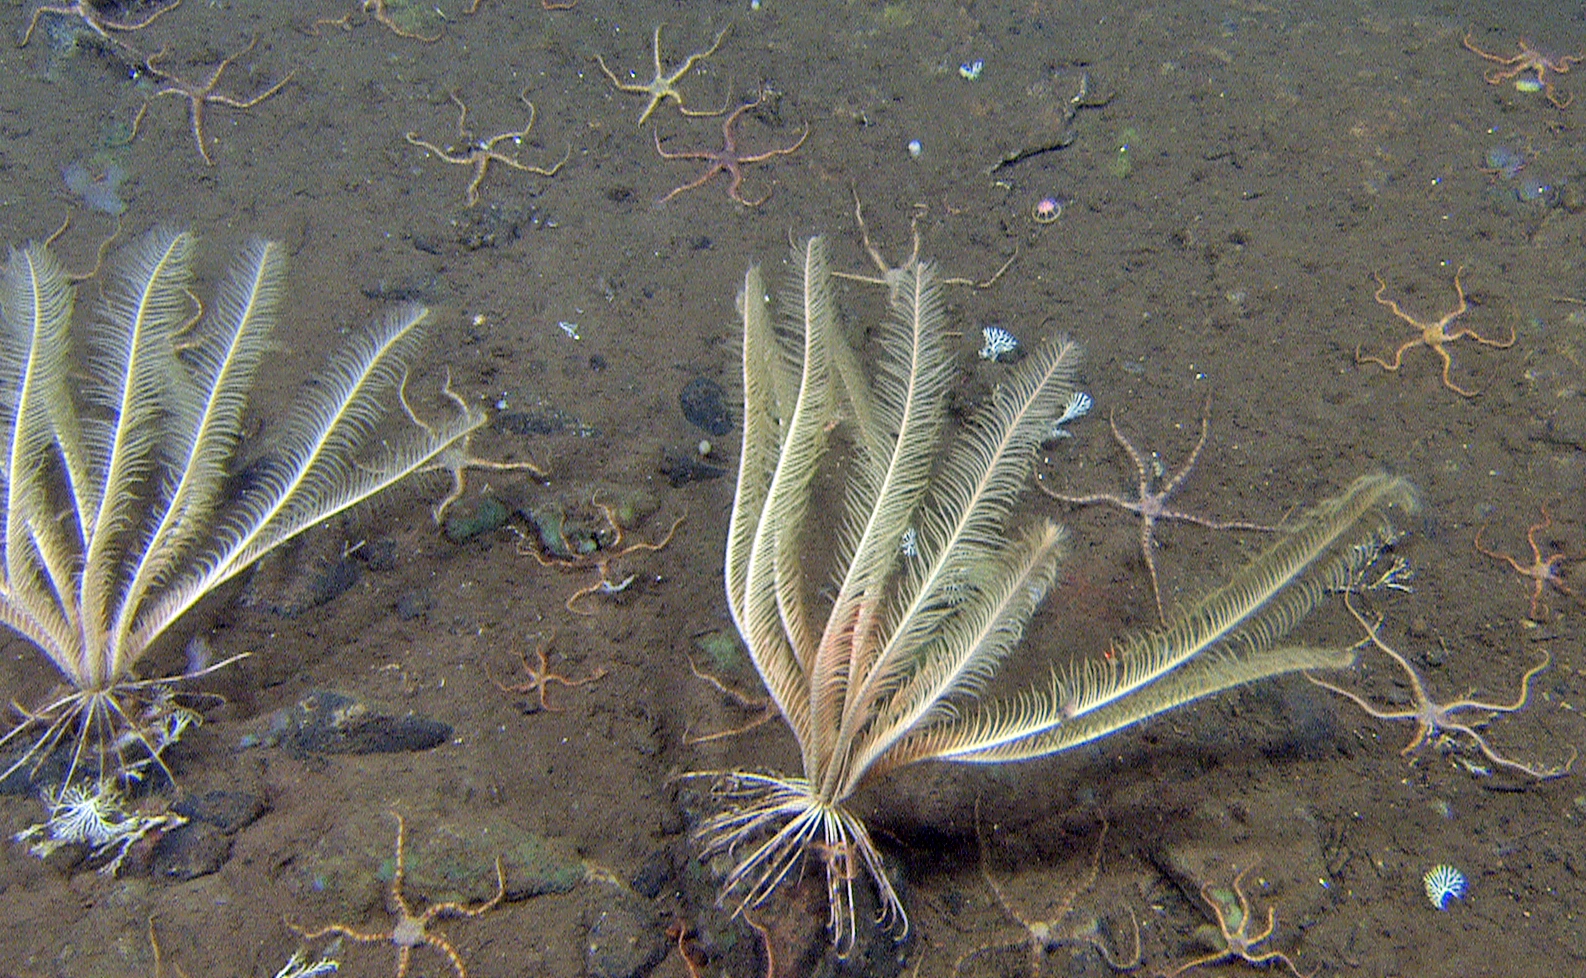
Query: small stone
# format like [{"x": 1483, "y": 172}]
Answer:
[
  {"x": 704, "y": 404},
  {"x": 625, "y": 938},
  {"x": 328, "y": 722},
  {"x": 193, "y": 850},
  {"x": 228, "y": 811}
]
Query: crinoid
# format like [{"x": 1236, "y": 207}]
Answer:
[
  {"x": 884, "y": 671},
  {"x": 117, "y": 436}
]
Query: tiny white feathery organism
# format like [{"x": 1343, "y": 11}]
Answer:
[
  {"x": 909, "y": 545},
  {"x": 1444, "y": 883},
  {"x": 1079, "y": 405},
  {"x": 96, "y": 818},
  {"x": 1000, "y": 345},
  {"x": 298, "y": 966}
]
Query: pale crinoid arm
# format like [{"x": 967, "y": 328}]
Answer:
[
  {"x": 1230, "y": 638},
  {"x": 136, "y": 380},
  {"x": 773, "y": 616},
  {"x": 37, "y": 419},
  {"x": 320, "y": 472},
  {"x": 968, "y": 570},
  {"x": 889, "y": 476},
  {"x": 224, "y": 356}
]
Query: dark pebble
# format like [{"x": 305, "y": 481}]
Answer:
[
  {"x": 681, "y": 469},
  {"x": 379, "y": 556},
  {"x": 228, "y": 811},
  {"x": 530, "y": 423},
  {"x": 659, "y": 869},
  {"x": 193, "y": 850},
  {"x": 414, "y": 604},
  {"x": 704, "y": 404}
]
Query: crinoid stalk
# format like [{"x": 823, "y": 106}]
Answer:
[
  {"x": 886, "y": 670},
  {"x": 117, "y": 435}
]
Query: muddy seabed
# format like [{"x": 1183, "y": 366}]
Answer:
[{"x": 1223, "y": 214}]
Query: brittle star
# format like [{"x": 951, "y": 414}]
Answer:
[
  {"x": 412, "y": 930},
  {"x": 1529, "y": 59},
  {"x": 96, "y": 21},
  {"x": 889, "y": 276},
  {"x": 199, "y": 96},
  {"x": 763, "y": 706},
  {"x": 1240, "y": 945},
  {"x": 1541, "y": 572},
  {"x": 1436, "y": 720},
  {"x": 481, "y": 153},
  {"x": 664, "y": 86},
  {"x": 1042, "y": 936},
  {"x": 457, "y": 457},
  {"x": 600, "y": 554},
  {"x": 540, "y": 679},
  {"x": 727, "y": 159},
  {"x": 1433, "y": 335},
  {"x": 1152, "y": 507}
]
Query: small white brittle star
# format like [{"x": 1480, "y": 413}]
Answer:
[
  {"x": 480, "y": 153},
  {"x": 664, "y": 86}
]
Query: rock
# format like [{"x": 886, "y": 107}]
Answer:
[
  {"x": 625, "y": 938},
  {"x": 328, "y": 722},
  {"x": 228, "y": 811},
  {"x": 190, "y": 851},
  {"x": 704, "y": 404}
]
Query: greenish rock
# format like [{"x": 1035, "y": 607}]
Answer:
[
  {"x": 490, "y": 514},
  {"x": 415, "y": 18},
  {"x": 325, "y": 721},
  {"x": 721, "y": 651},
  {"x": 348, "y": 869},
  {"x": 457, "y": 861},
  {"x": 551, "y": 524},
  {"x": 626, "y": 937},
  {"x": 1573, "y": 198}
]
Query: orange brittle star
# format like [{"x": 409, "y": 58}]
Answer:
[
  {"x": 1541, "y": 572},
  {"x": 1437, "y": 719},
  {"x": 1232, "y": 910},
  {"x": 727, "y": 159},
  {"x": 1433, "y": 335},
  {"x": 600, "y": 554},
  {"x": 482, "y": 152},
  {"x": 199, "y": 96},
  {"x": 412, "y": 930},
  {"x": 458, "y": 457},
  {"x": 1529, "y": 59},
  {"x": 96, "y": 21},
  {"x": 1042, "y": 936},
  {"x": 541, "y": 678},
  {"x": 664, "y": 86}
]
